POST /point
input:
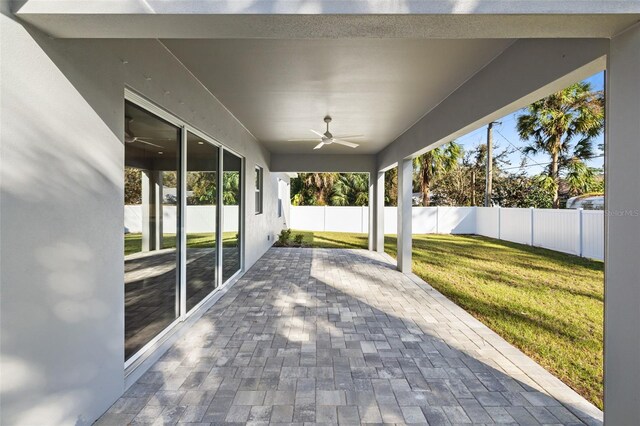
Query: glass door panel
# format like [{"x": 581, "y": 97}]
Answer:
[
  {"x": 152, "y": 154},
  {"x": 200, "y": 219},
  {"x": 232, "y": 210}
]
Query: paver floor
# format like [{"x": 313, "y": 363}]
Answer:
[{"x": 339, "y": 336}]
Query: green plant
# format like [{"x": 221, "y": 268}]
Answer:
[
  {"x": 298, "y": 239},
  {"x": 284, "y": 237}
]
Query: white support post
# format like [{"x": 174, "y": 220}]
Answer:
[
  {"x": 380, "y": 212},
  {"x": 151, "y": 210},
  {"x": 376, "y": 211},
  {"x": 622, "y": 232},
  {"x": 405, "y": 192}
]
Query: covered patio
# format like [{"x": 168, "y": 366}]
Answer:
[
  {"x": 303, "y": 335},
  {"x": 340, "y": 336}
]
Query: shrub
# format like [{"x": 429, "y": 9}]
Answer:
[
  {"x": 298, "y": 239},
  {"x": 284, "y": 237}
]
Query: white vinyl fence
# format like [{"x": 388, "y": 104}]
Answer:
[
  {"x": 199, "y": 219},
  {"x": 578, "y": 232}
]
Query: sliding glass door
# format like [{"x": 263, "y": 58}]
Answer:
[
  {"x": 200, "y": 218},
  {"x": 182, "y": 221},
  {"x": 152, "y": 153},
  {"x": 232, "y": 214}
]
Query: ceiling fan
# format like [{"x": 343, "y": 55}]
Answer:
[
  {"x": 327, "y": 138},
  {"x": 130, "y": 138}
]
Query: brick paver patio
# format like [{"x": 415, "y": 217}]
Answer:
[{"x": 339, "y": 336}]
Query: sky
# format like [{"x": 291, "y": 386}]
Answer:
[{"x": 505, "y": 136}]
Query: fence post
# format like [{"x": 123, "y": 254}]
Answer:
[
  {"x": 499, "y": 223},
  {"x": 580, "y": 231},
  {"x": 531, "y": 226},
  {"x": 324, "y": 219},
  {"x": 437, "y": 219}
]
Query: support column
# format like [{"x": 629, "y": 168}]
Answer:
[
  {"x": 151, "y": 210},
  {"x": 622, "y": 232},
  {"x": 376, "y": 211},
  {"x": 405, "y": 192}
]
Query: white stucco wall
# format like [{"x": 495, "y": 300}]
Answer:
[{"x": 61, "y": 211}]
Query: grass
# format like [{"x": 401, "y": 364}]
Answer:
[
  {"x": 133, "y": 242},
  {"x": 546, "y": 303}
]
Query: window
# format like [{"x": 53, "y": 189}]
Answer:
[
  {"x": 183, "y": 221},
  {"x": 258, "y": 190}
]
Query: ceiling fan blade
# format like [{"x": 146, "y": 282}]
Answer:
[
  {"x": 156, "y": 139},
  {"x": 317, "y": 133},
  {"x": 345, "y": 143},
  {"x": 303, "y": 140},
  {"x": 147, "y": 143},
  {"x": 320, "y": 145},
  {"x": 349, "y": 137}
]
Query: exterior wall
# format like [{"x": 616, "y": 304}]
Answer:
[{"x": 62, "y": 212}]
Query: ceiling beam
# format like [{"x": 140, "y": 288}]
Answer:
[{"x": 322, "y": 163}]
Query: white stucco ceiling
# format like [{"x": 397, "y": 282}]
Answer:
[{"x": 279, "y": 89}]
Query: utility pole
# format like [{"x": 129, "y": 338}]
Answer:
[{"x": 488, "y": 189}]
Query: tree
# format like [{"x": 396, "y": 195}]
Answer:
[
  {"x": 391, "y": 187},
  {"x": 231, "y": 188},
  {"x": 351, "y": 189},
  {"x": 313, "y": 189},
  {"x": 433, "y": 163},
  {"x": 203, "y": 187},
  {"x": 132, "y": 186},
  {"x": 552, "y": 124}
]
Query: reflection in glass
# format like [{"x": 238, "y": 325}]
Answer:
[
  {"x": 150, "y": 191},
  {"x": 231, "y": 200},
  {"x": 200, "y": 218}
]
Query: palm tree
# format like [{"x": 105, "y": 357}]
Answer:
[
  {"x": 313, "y": 188},
  {"x": 350, "y": 189},
  {"x": 551, "y": 124},
  {"x": 432, "y": 163}
]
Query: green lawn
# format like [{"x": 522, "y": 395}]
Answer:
[
  {"x": 133, "y": 242},
  {"x": 548, "y": 304}
]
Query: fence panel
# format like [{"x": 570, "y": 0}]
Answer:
[
  {"x": 200, "y": 219},
  {"x": 487, "y": 221},
  {"x": 593, "y": 234},
  {"x": 557, "y": 230},
  {"x": 343, "y": 219},
  {"x": 307, "y": 218},
  {"x": 515, "y": 225},
  {"x": 456, "y": 220},
  {"x": 424, "y": 220},
  {"x": 390, "y": 220}
]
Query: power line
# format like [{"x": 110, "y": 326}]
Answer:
[
  {"x": 547, "y": 164},
  {"x": 521, "y": 151}
]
